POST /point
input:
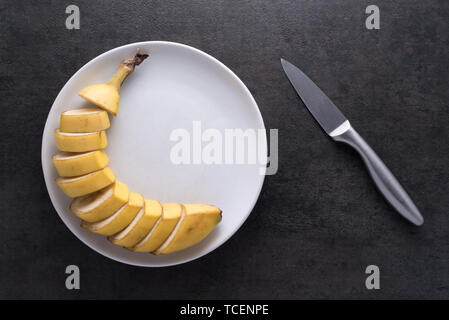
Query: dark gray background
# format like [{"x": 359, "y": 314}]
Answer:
[{"x": 319, "y": 221}]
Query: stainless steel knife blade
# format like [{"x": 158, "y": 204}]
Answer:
[
  {"x": 320, "y": 106},
  {"x": 338, "y": 127}
]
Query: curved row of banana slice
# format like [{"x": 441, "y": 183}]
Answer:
[{"x": 106, "y": 205}]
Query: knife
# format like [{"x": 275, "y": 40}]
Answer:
[{"x": 335, "y": 124}]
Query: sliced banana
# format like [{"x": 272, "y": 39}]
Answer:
[
  {"x": 106, "y": 206},
  {"x": 82, "y": 185},
  {"x": 77, "y": 164},
  {"x": 119, "y": 220},
  {"x": 101, "y": 204},
  {"x": 80, "y": 142},
  {"x": 84, "y": 120},
  {"x": 197, "y": 221},
  {"x": 145, "y": 220},
  {"x": 171, "y": 213}
]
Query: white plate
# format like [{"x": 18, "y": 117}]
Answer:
[{"x": 175, "y": 86}]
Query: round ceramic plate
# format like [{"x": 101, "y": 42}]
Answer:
[{"x": 177, "y": 87}]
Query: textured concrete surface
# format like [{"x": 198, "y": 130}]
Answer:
[{"x": 320, "y": 221}]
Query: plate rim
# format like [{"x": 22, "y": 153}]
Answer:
[{"x": 262, "y": 168}]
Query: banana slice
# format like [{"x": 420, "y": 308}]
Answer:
[
  {"x": 84, "y": 120},
  {"x": 196, "y": 222},
  {"x": 80, "y": 142},
  {"x": 77, "y": 164},
  {"x": 140, "y": 226},
  {"x": 171, "y": 213},
  {"x": 91, "y": 182},
  {"x": 101, "y": 204},
  {"x": 119, "y": 220},
  {"x": 103, "y": 95}
]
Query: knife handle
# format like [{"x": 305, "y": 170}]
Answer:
[{"x": 382, "y": 176}]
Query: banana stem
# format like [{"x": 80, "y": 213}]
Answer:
[{"x": 125, "y": 68}]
